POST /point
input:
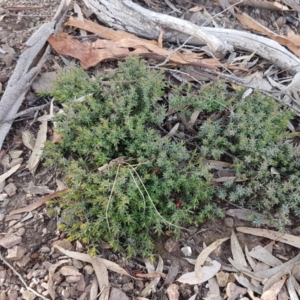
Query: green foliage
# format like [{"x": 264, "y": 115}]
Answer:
[
  {"x": 125, "y": 203},
  {"x": 148, "y": 183},
  {"x": 253, "y": 136}
]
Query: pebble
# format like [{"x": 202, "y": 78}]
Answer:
[
  {"x": 34, "y": 255},
  {"x": 77, "y": 264},
  {"x": 140, "y": 284},
  {"x": 45, "y": 249},
  {"x": 69, "y": 271},
  {"x": 39, "y": 273},
  {"x": 10, "y": 189},
  {"x": 16, "y": 252},
  {"x": 88, "y": 269},
  {"x": 27, "y": 295},
  {"x": 21, "y": 231},
  {"x": 127, "y": 287},
  {"x": 10, "y": 240},
  {"x": 229, "y": 222},
  {"x": 73, "y": 278}
]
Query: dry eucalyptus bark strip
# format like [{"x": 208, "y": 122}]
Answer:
[{"x": 28, "y": 67}]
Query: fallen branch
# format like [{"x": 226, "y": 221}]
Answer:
[{"x": 128, "y": 16}]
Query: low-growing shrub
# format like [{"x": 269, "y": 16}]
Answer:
[{"x": 128, "y": 179}]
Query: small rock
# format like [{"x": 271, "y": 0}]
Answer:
[
  {"x": 73, "y": 279},
  {"x": 222, "y": 278},
  {"x": 44, "y": 285},
  {"x": 12, "y": 223},
  {"x": 81, "y": 285},
  {"x": 27, "y": 295},
  {"x": 45, "y": 293},
  {"x": 2, "y": 185},
  {"x": 66, "y": 294},
  {"x": 10, "y": 241},
  {"x": 39, "y": 289},
  {"x": 88, "y": 269},
  {"x": 63, "y": 244},
  {"x": 15, "y": 253},
  {"x": 45, "y": 249},
  {"x": 2, "y": 216},
  {"x": 229, "y": 222},
  {"x": 23, "y": 261},
  {"x": 140, "y": 284},
  {"x": 44, "y": 82},
  {"x": 21, "y": 231},
  {"x": 29, "y": 274},
  {"x": 127, "y": 287},
  {"x": 117, "y": 294},
  {"x": 187, "y": 251},
  {"x": 69, "y": 271},
  {"x": 10, "y": 189},
  {"x": 15, "y": 153},
  {"x": 78, "y": 246},
  {"x": 77, "y": 264},
  {"x": 39, "y": 273},
  {"x": 12, "y": 295},
  {"x": 32, "y": 285},
  {"x": 3, "y": 197},
  {"x": 2, "y": 277},
  {"x": 57, "y": 278},
  {"x": 34, "y": 255}
]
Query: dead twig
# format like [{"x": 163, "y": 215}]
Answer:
[{"x": 21, "y": 278}]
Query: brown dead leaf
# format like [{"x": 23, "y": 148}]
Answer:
[
  {"x": 37, "y": 204},
  {"x": 90, "y": 54},
  {"x": 38, "y": 148},
  {"x": 291, "y": 41},
  {"x": 205, "y": 253}
]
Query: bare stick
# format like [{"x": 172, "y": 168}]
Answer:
[{"x": 21, "y": 278}]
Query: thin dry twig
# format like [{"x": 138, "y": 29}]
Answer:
[
  {"x": 194, "y": 34},
  {"x": 21, "y": 278},
  {"x": 110, "y": 197}
]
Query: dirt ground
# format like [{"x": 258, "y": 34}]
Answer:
[{"x": 38, "y": 230}]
